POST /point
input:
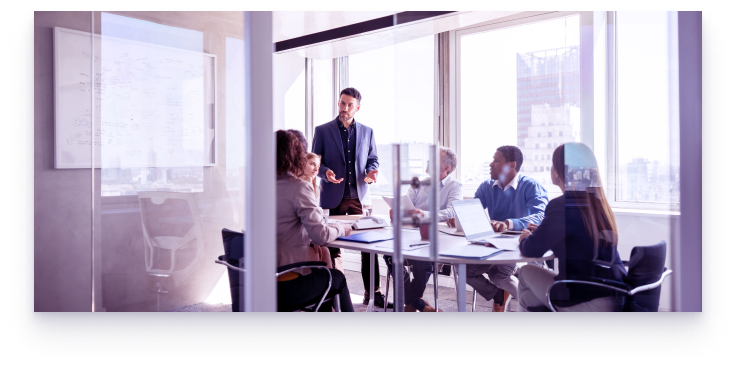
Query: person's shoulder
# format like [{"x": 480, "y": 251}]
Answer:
[
  {"x": 325, "y": 125},
  {"x": 557, "y": 202},
  {"x": 486, "y": 184},
  {"x": 454, "y": 182},
  {"x": 366, "y": 128},
  {"x": 530, "y": 182},
  {"x": 527, "y": 180},
  {"x": 291, "y": 180}
]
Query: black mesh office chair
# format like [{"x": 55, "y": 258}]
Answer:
[
  {"x": 233, "y": 244},
  {"x": 643, "y": 283}
]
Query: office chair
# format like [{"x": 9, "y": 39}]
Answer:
[
  {"x": 172, "y": 236},
  {"x": 232, "y": 259},
  {"x": 642, "y": 285}
]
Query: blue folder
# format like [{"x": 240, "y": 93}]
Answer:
[{"x": 368, "y": 237}]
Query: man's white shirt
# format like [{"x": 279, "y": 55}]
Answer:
[{"x": 449, "y": 190}]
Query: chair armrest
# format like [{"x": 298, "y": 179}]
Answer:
[
  {"x": 652, "y": 285},
  {"x": 300, "y": 265},
  {"x": 594, "y": 281},
  {"x": 221, "y": 260}
]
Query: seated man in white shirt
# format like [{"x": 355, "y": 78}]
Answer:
[{"x": 449, "y": 190}]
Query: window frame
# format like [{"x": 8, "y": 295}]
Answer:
[
  {"x": 588, "y": 134},
  {"x": 612, "y": 154},
  {"x": 521, "y": 19}
]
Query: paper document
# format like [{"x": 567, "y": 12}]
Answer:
[
  {"x": 504, "y": 242},
  {"x": 406, "y": 204},
  {"x": 471, "y": 252},
  {"x": 331, "y": 221}
]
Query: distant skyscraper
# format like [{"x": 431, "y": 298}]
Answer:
[{"x": 547, "y": 106}]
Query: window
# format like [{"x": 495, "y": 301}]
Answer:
[
  {"x": 560, "y": 134},
  {"x": 294, "y": 108},
  {"x": 384, "y": 78},
  {"x": 323, "y": 100},
  {"x": 533, "y": 72},
  {"x": 647, "y": 165}
]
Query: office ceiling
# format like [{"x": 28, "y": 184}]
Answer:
[{"x": 290, "y": 25}]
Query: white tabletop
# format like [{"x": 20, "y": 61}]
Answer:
[{"x": 446, "y": 241}]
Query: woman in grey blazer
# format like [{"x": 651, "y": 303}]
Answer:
[{"x": 301, "y": 232}]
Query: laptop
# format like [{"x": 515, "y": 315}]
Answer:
[{"x": 477, "y": 228}]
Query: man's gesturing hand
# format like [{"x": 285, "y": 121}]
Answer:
[
  {"x": 331, "y": 177},
  {"x": 370, "y": 177}
]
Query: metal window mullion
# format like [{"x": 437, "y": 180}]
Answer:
[
  {"x": 612, "y": 106},
  {"x": 309, "y": 100}
]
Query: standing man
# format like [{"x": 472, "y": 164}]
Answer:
[
  {"x": 349, "y": 164},
  {"x": 513, "y": 202}
]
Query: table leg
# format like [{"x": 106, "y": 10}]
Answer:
[
  {"x": 372, "y": 284},
  {"x": 460, "y": 287}
]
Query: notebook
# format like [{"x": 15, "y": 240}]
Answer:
[{"x": 368, "y": 237}]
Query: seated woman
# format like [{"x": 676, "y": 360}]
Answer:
[
  {"x": 311, "y": 171},
  {"x": 298, "y": 223},
  {"x": 579, "y": 227}
]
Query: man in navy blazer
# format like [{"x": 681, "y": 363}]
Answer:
[{"x": 349, "y": 164}]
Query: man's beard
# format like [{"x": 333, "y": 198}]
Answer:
[{"x": 345, "y": 117}]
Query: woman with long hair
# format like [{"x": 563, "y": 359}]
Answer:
[
  {"x": 301, "y": 232},
  {"x": 580, "y": 228},
  {"x": 311, "y": 171}
]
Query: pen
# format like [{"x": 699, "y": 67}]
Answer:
[{"x": 417, "y": 244}]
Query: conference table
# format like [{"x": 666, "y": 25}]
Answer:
[{"x": 447, "y": 239}]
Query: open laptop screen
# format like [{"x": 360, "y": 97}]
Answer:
[{"x": 473, "y": 218}]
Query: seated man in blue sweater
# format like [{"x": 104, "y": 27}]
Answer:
[{"x": 513, "y": 201}]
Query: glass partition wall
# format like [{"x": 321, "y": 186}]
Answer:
[
  {"x": 169, "y": 161},
  {"x": 139, "y": 135}
]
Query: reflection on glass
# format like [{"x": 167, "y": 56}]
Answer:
[
  {"x": 520, "y": 86},
  {"x": 396, "y": 83},
  {"x": 167, "y": 187}
]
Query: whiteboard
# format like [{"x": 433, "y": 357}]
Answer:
[{"x": 154, "y": 106}]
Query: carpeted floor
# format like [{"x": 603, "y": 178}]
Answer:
[{"x": 446, "y": 299}]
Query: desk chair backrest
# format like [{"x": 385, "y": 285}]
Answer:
[
  {"x": 233, "y": 259},
  {"x": 233, "y": 243},
  {"x": 646, "y": 265},
  {"x": 641, "y": 286},
  {"x": 172, "y": 233}
]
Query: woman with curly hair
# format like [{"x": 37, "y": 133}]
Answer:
[{"x": 300, "y": 232}]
